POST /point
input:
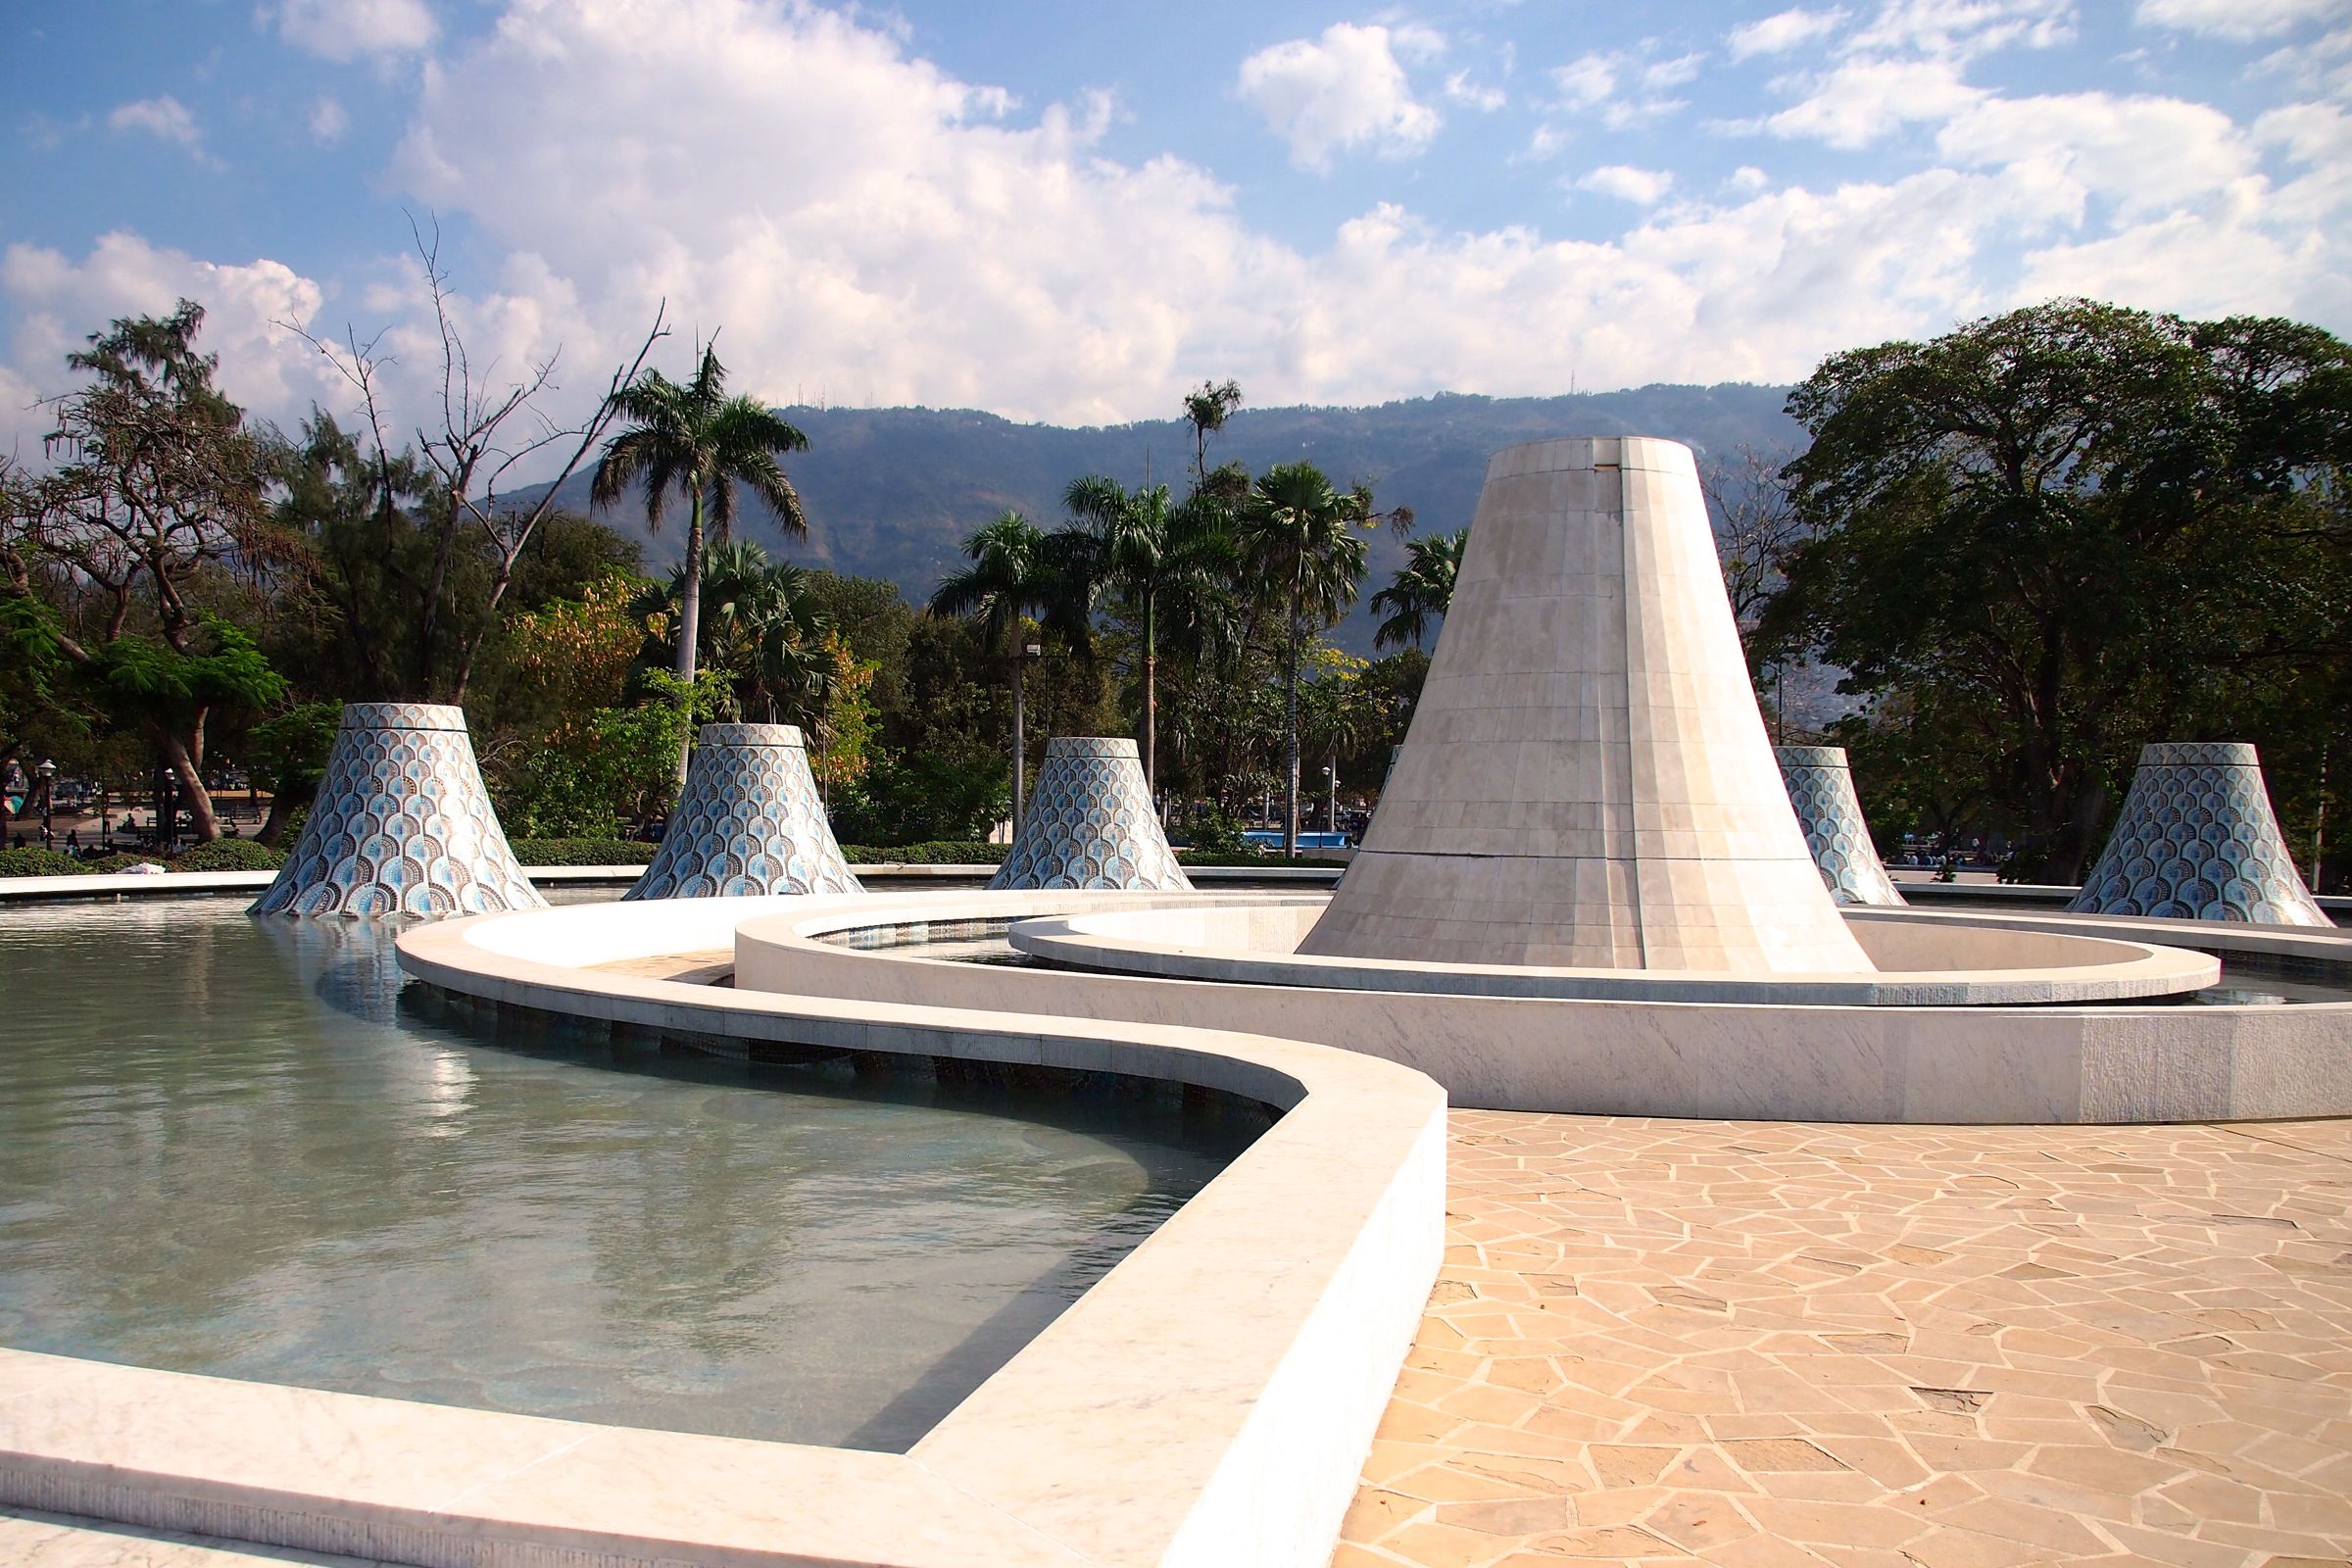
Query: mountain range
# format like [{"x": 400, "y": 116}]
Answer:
[{"x": 888, "y": 492}]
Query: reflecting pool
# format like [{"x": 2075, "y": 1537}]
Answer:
[{"x": 237, "y": 1146}]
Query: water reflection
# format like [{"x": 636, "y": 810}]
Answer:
[{"x": 232, "y": 1147}]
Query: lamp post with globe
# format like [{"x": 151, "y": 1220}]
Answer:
[{"x": 47, "y": 769}]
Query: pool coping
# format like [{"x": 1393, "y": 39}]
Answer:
[{"x": 1207, "y": 1402}]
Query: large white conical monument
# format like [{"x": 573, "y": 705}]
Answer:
[{"x": 1586, "y": 782}]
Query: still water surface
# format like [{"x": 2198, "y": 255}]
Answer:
[{"x": 235, "y": 1147}]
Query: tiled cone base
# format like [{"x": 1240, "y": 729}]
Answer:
[
  {"x": 1586, "y": 782},
  {"x": 2197, "y": 841},
  {"x": 1821, "y": 787},
  {"x": 402, "y": 824},
  {"x": 1091, "y": 824},
  {"x": 750, "y": 822}
]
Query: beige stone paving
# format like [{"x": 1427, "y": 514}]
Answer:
[{"x": 1761, "y": 1344}]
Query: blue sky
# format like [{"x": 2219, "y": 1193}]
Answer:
[{"x": 1073, "y": 211}]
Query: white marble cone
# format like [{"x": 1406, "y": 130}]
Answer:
[{"x": 1586, "y": 782}]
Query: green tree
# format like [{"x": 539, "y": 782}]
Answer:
[
  {"x": 1013, "y": 575},
  {"x": 150, "y": 524},
  {"x": 1206, "y": 411},
  {"x": 1301, "y": 541},
  {"x": 1420, "y": 591},
  {"x": 1127, "y": 543},
  {"x": 2074, "y": 528},
  {"x": 762, "y": 628},
  {"x": 697, "y": 438}
]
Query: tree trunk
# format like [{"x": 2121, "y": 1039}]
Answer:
[
  {"x": 1290, "y": 739},
  {"x": 193, "y": 799},
  {"x": 690, "y": 627},
  {"x": 1020, "y": 755}
]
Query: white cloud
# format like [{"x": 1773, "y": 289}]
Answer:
[
  {"x": 2237, "y": 19},
  {"x": 1782, "y": 31},
  {"x": 1461, "y": 89},
  {"x": 1342, "y": 91},
  {"x": 1643, "y": 187},
  {"x": 1963, "y": 29},
  {"x": 346, "y": 29},
  {"x": 1621, "y": 88},
  {"x": 947, "y": 251},
  {"x": 1862, "y": 101},
  {"x": 54, "y": 301},
  {"x": 166, "y": 116},
  {"x": 329, "y": 121},
  {"x": 2144, "y": 155}
]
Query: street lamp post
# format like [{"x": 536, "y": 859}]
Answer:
[
  {"x": 47, "y": 769},
  {"x": 1020, "y": 754}
]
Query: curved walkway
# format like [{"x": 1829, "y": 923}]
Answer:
[{"x": 1778, "y": 1344}]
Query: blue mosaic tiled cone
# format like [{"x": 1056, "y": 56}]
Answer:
[
  {"x": 2197, "y": 841},
  {"x": 750, "y": 822},
  {"x": 1091, "y": 824},
  {"x": 1821, "y": 786},
  {"x": 402, "y": 824}
]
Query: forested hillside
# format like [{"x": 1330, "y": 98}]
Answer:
[{"x": 889, "y": 491}]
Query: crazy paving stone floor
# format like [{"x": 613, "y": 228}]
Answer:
[{"x": 1761, "y": 1344}]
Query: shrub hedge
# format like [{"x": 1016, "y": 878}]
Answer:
[
  {"x": 36, "y": 862},
  {"x": 582, "y": 851},
  {"x": 940, "y": 851},
  {"x": 228, "y": 854}
]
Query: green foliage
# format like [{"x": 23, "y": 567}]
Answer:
[
  {"x": 580, "y": 852},
  {"x": 33, "y": 860},
  {"x": 607, "y": 766},
  {"x": 934, "y": 795},
  {"x": 933, "y": 852},
  {"x": 228, "y": 854},
  {"x": 1214, "y": 834},
  {"x": 2057, "y": 535},
  {"x": 1421, "y": 590},
  {"x": 287, "y": 754}
]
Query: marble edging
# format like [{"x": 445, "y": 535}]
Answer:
[
  {"x": 1208, "y": 1402},
  {"x": 2036, "y": 1064}
]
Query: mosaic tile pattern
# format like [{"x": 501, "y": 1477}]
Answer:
[
  {"x": 750, "y": 822},
  {"x": 1091, "y": 824},
  {"x": 1588, "y": 782},
  {"x": 2196, "y": 840},
  {"x": 1790, "y": 1346},
  {"x": 402, "y": 824},
  {"x": 1821, "y": 786}
]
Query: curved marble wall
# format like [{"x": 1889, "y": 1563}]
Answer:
[
  {"x": 1091, "y": 824},
  {"x": 402, "y": 824},
  {"x": 748, "y": 821},
  {"x": 1821, "y": 786},
  {"x": 2197, "y": 841}
]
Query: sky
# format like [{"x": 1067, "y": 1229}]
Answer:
[{"x": 1076, "y": 212}]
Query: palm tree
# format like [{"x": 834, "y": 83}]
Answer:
[
  {"x": 1299, "y": 538},
  {"x": 1013, "y": 573},
  {"x": 1126, "y": 542},
  {"x": 695, "y": 437},
  {"x": 1420, "y": 591},
  {"x": 760, "y": 624}
]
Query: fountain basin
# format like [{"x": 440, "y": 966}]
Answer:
[{"x": 1773, "y": 1060}]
